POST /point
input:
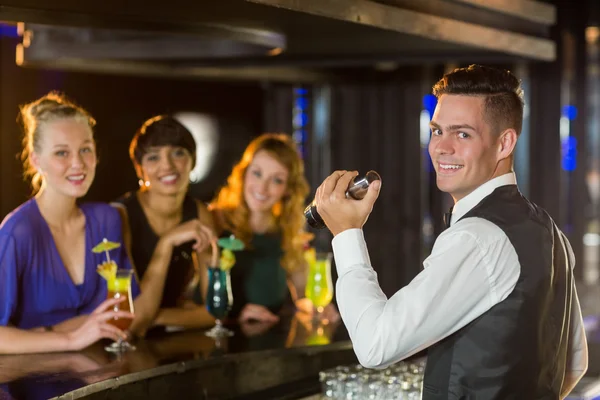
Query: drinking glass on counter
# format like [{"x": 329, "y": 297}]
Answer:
[
  {"x": 401, "y": 381},
  {"x": 120, "y": 287},
  {"x": 319, "y": 287},
  {"x": 219, "y": 300}
]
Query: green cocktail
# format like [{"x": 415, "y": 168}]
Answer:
[{"x": 319, "y": 288}]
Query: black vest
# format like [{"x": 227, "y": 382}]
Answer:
[{"x": 518, "y": 348}]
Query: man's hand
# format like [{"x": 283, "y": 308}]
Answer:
[{"x": 338, "y": 212}]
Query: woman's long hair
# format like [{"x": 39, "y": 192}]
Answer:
[{"x": 232, "y": 212}]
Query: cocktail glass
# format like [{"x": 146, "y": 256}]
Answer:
[
  {"x": 120, "y": 287},
  {"x": 319, "y": 287},
  {"x": 219, "y": 300}
]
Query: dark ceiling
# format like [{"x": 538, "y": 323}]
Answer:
[{"x": 287, "y": 40}]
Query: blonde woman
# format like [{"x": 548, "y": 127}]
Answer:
[
  {"x": 262, "y": 204},
  {"x": 51, "y": 298}
]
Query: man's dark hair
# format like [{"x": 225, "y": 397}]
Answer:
[{"x": 503, "y": 106}]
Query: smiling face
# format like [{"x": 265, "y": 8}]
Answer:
[
  {"x": 464, "y": 150},
  {"x": 265, "y": 182},
  {"x": 66, "y": 157},
  {"x": 166, "y": 169}
]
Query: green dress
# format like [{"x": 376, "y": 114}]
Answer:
[{"x": 258, "y": 277}]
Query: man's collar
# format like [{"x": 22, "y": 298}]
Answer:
[{"x": 465, "y": 204}]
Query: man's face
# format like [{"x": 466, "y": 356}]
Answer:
[{"x": 464, "y": 150}]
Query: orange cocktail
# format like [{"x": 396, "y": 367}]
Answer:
[{"x": 119, "y": 286}]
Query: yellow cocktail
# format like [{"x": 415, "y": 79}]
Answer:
[
  {"x": 118, "y": 283},
  {"x": 120, "y": 287}
]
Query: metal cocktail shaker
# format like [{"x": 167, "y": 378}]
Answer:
[{"x": 356, "y": 190}]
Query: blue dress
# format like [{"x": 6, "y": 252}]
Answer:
[{"x": 35, "y": 287}]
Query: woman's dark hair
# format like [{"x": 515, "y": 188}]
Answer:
[{"x": 162, "y": 130}]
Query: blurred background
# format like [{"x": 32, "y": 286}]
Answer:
[{"x": 350, "y": 80}]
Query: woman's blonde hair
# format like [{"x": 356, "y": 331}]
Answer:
[
  {"x": 34, "y": 117},
  {"x": 232, "y": 211}
]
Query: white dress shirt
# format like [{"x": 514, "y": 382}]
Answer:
[{"x": 472, "y": 267}]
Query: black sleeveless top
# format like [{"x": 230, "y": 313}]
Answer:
[{"x": 144, "y": 241}]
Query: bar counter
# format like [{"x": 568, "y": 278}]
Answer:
[
  {"x": 280, "y": 361},
  {"x": 258, "y": 362}
]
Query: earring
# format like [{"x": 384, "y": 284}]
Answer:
[{"x": 142, "y": 182}]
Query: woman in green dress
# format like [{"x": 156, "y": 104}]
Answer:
[{"x": 262, "y": 204}]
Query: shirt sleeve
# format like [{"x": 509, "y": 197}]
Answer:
[
  {"x": 8, "y": 278},
  {"x": 471, "y": 268}
]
